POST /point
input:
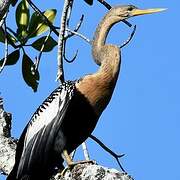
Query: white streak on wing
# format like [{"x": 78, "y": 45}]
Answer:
[{"x": 45, "y": 117}]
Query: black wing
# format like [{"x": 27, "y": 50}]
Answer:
[{"x": 35, "y": 148}]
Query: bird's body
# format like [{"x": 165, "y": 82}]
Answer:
[
  {"x": 72, "y": 120},
  {"x": 69, "y": 115},
  {"x": 51, "y": 137}
]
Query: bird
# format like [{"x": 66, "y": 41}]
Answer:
[{"x": 70, "y": 113}]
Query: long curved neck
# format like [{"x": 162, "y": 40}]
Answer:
[
  {"x": 100, "y": 36},
  {"x": 105, "y": 55},
  {"x": 98, "y": 87}
]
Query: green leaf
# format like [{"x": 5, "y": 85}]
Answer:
[
  {"x": 11, "y": 58},
  {"x": 48, "y": 46},
  {"x": 22, "y": 18},
  {"x": 37, "y": 23},
  {"x": 30, "y": 78}
]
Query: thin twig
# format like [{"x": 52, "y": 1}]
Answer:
[
  {"x": 64, "y": 54},
  {"x": 80, "y": 35},
  {"x": 17, "y": 38},
  {"x": 76, "y": 28},
  {"x": 80, "y": 23},
  {"x": 69, "y": 35},
  {"x": 6, "y": 48},
  {"x": 108, "y": 6},
  {"x": 69, "y": 13},
  {"x": 37, "y": 59},
  {"x": 65, "y": 37},
  {"x": 116, "y": 156},
  {"x": 10, "y": 40},
  {"x": 130, "y": 37},
  {"x": 85, "y": 150},
  {"x": 73, "y": 33}
]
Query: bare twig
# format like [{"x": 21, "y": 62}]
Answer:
[
  {"x": 64, "y": 54},
  {"x": 65, "y": 37},
  {"x": 70, "y": 34},
  {"x": 6, "y": 48},
  {"x": 116, "y": 156},
  {"x": 108, "y": 6},
  {"x": 69, "y": 13},
  {"x": 10, "y": 40},
  {"x": 37, "y": 59},
  {"x": 65, "y": 11},
  {"x": 85, "y": 150},
  {"x": 130, "y": 37},
  {"x": 80, "y": 35},
  {"x": 16, "y": 37}
]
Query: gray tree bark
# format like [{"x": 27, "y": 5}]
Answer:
[
  {"x": 4, "y": 6},
  {"x": 7, "y": 144},
  {"x": 86, "y": 171}
]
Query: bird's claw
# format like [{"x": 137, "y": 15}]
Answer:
[{"x": 73, "y": 164}]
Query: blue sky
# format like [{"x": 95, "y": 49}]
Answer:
[{"x": 142, "y": 119}]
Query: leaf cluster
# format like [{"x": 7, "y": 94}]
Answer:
[{"x": 29, "y": 27}]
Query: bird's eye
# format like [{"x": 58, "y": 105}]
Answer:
[{"x": 130, "y": 8}]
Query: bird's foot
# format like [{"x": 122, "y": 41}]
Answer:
[{"x": 71, "y": 165}]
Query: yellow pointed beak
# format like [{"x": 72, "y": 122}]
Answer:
[{"x": 137, "y": 12}]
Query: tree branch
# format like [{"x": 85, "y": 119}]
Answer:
[
  {"x": 7, "y": 144},
  {"x": 64, "y": 20},
  {"x": 93, "y": 172},
  {"x": 4, "y": 6}
]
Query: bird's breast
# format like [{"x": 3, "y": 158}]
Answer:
[{"x": 97, "y": 90}]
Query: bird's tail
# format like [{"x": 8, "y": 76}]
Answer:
[{"x": 13, "y": 175}]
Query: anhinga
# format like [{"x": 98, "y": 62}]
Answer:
[{"x": 69, "y": 115}]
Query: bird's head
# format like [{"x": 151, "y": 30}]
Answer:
[
  {"x": 115, "y": 15},
  {"x": 127, "y": 11}
]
